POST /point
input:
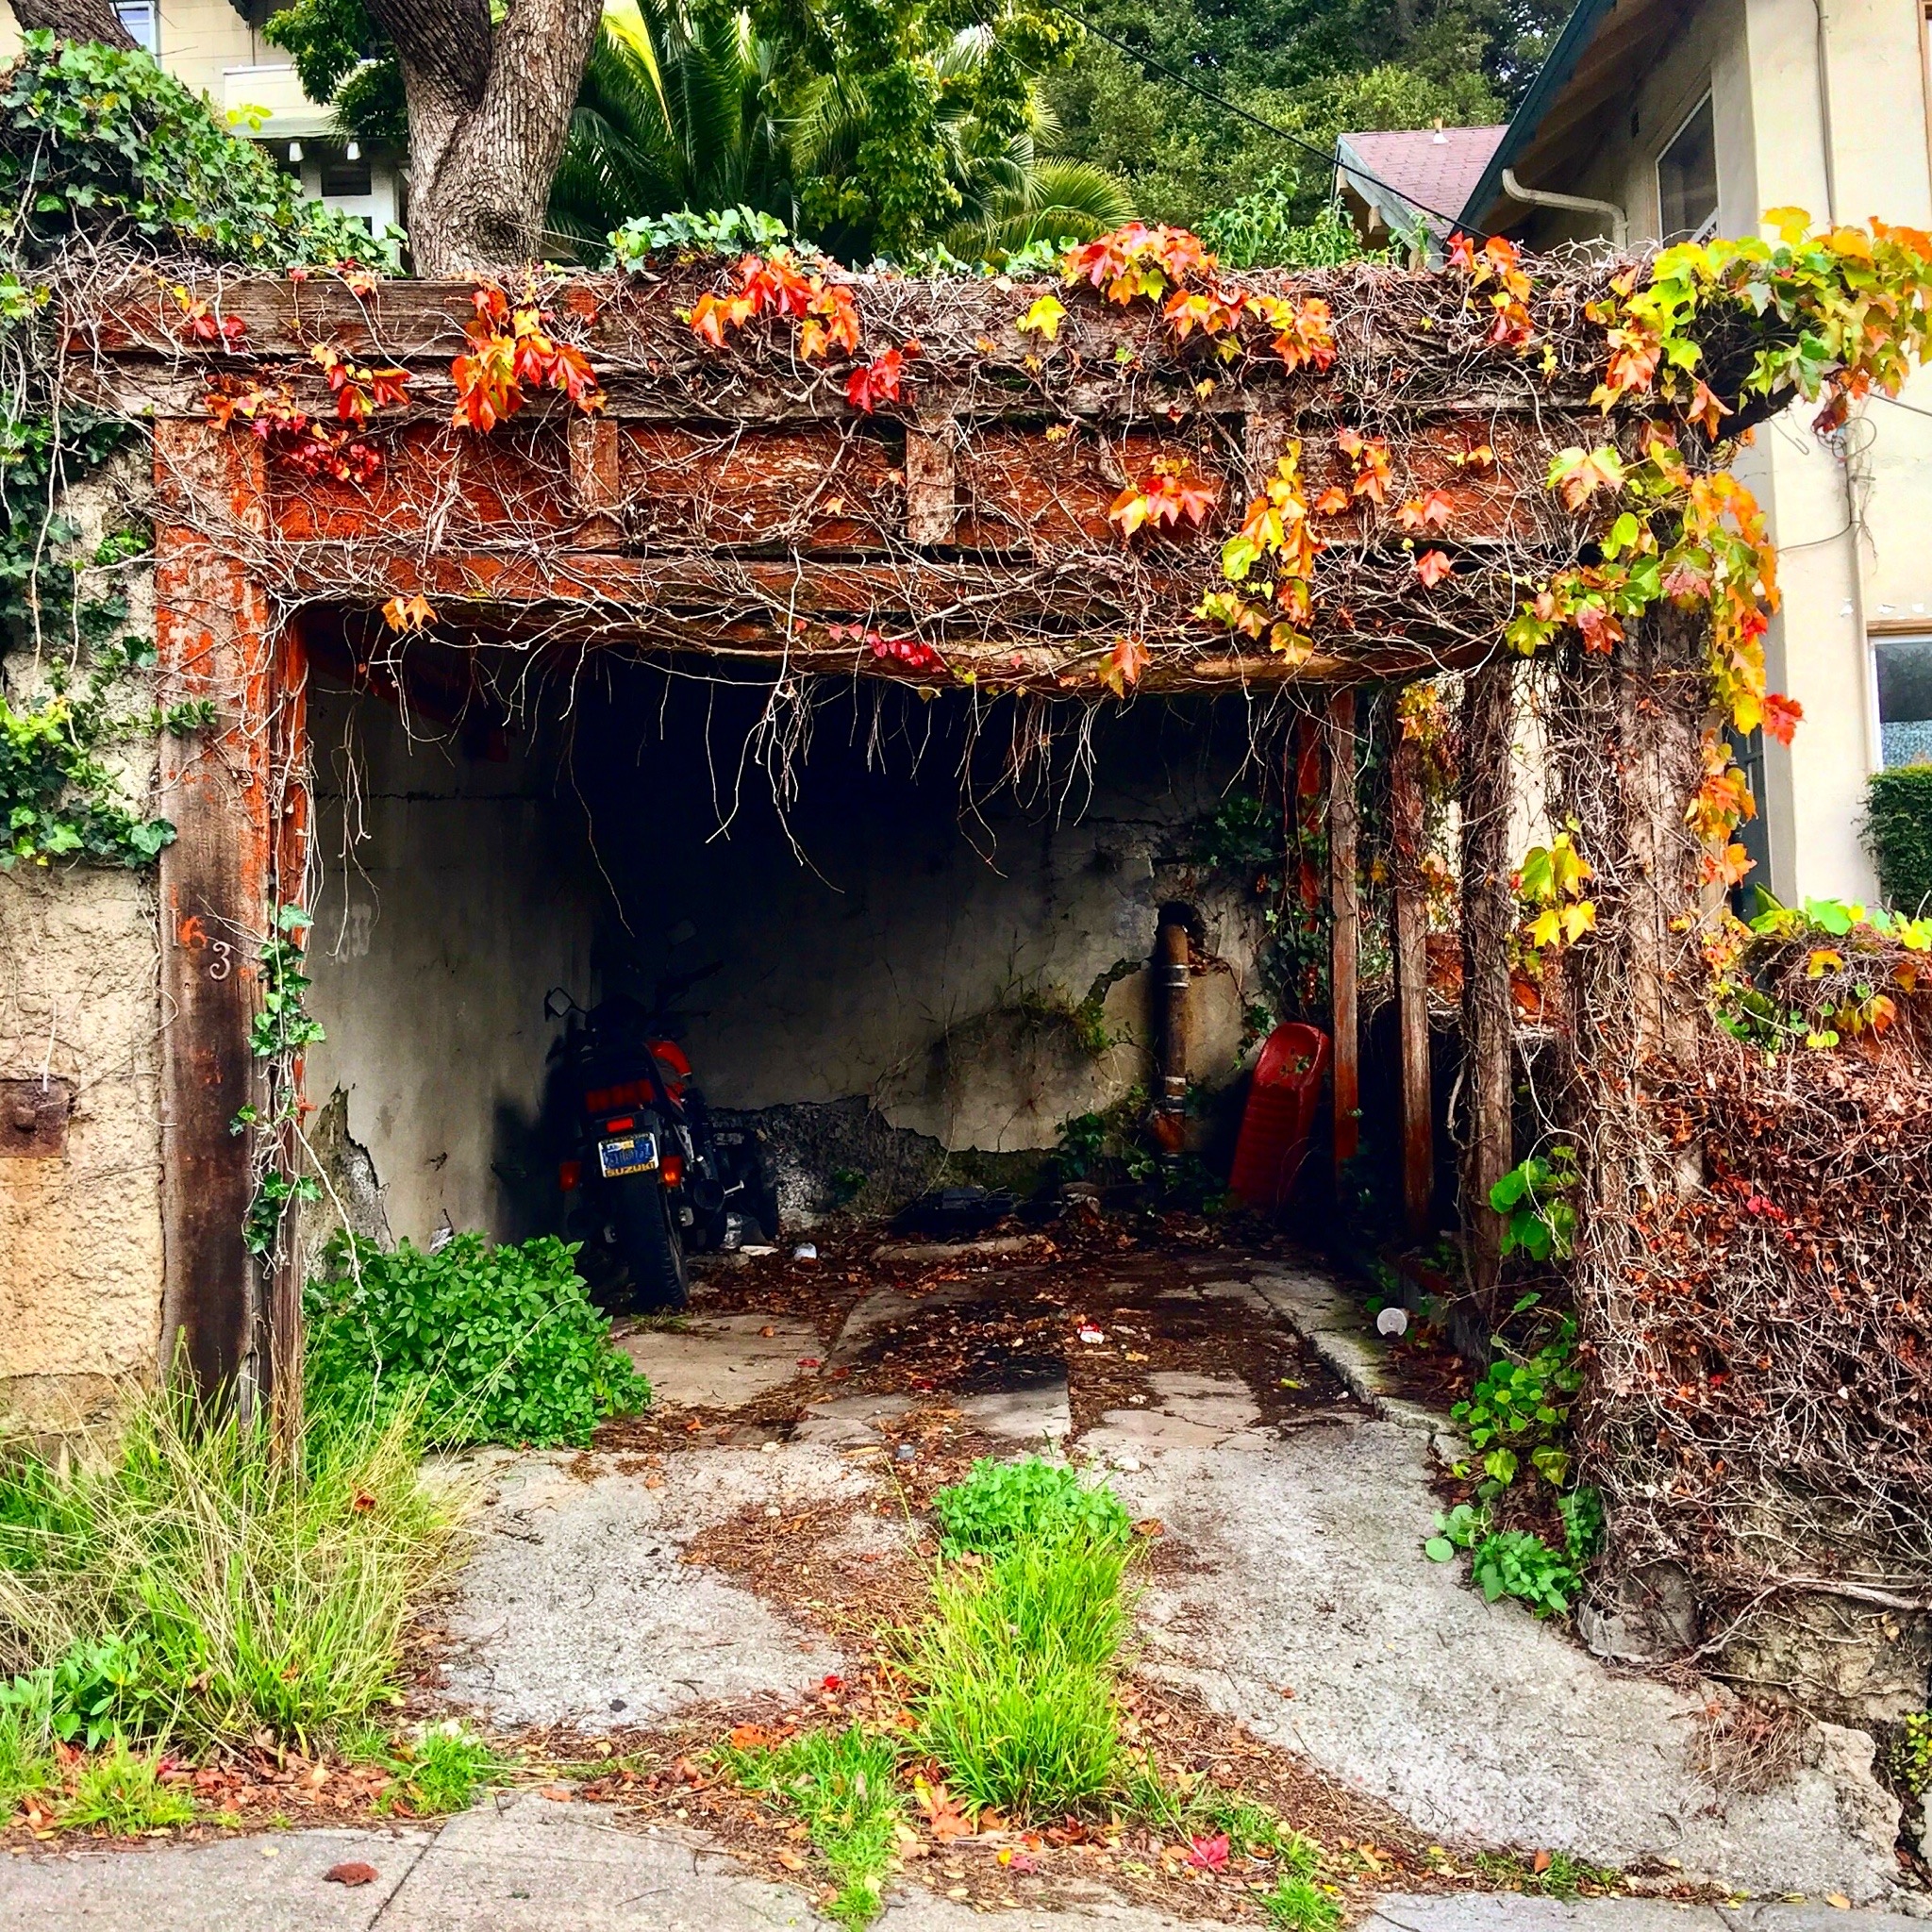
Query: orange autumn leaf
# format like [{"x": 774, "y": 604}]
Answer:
[
  {"x": 1127, "y": 661},
  {"x": 1429, "y": 512},
  {"x": 1432, "y": 567},
  {"x": 410, "y": 614},
  {"x": 1332, "y": 501}
]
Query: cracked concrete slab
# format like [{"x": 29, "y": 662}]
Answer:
[
  {"x": 578, "y": 1604},
  {"x": 1039, "y": 1412},
  {"x": 720, "y": 1362},
  {"x": 1479, "y": 1721}
]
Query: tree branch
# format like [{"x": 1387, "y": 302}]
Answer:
[
  {"x": 75, "y": 20},
  {"x": 444, "y": 45}
]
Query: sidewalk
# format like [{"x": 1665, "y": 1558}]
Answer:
[{"x": 525, "y": 1863}]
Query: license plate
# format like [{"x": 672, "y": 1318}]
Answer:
[{"x": 632, "y": 1153}]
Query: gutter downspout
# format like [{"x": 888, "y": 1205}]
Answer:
[{"x": 1579, "y": 204}]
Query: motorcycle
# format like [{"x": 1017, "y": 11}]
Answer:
[{"x": 647, "y": 1175}]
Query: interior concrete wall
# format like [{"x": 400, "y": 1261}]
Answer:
[
  {"x": 879, "y": 940},
  {"x": 871, "y": 942},
  {"x": 452, "y": 891}
]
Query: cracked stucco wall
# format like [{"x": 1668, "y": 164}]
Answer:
[{"x": 80, "y": 1236}]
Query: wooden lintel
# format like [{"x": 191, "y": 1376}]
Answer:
[
  {"x": 1345, "y": 818},
  {"x": 1411, "y": 985}
]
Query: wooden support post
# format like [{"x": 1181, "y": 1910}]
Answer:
[
  {"x": 1412, "y": 987},
  {"x": 1345, "y": 940},
  {"x": 289, "y": 810},
  {"x": 932, "y": 510},
  {"x": 1487, "y": 916},
  {"x": 596, "y": 483},
  {"x": 212, "y": 634}
]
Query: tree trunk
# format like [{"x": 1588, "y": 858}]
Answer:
[
  {"x": 75, "y": 20},
  {"x": 488, "y": 112},
  {"x": 1488, "y": 915}
]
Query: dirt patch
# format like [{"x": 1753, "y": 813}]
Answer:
[{"x": 1103, "y": 1305}]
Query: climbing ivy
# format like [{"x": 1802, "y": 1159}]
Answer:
[{"x": 99, "y": 150}]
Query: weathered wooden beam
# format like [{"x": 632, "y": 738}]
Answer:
[
  {"x": 1033, "y": 631},
  {"x": 1487, "y": 918},
  {"x": 1345, "y": 818},
  {"x": 214, "y": 643},
  {"x": 1412, "y": 986}
]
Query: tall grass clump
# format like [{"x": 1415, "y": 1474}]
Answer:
[
  {"x": 198, "y": 1587},
  {"x": 1016, "y": 1674},
  {"x": 488, "y": 1344}
]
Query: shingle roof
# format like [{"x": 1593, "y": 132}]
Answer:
[{"x": 1432, "y": 169}]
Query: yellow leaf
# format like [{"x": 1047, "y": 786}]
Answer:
[
  {"x": 1546, "y": 928},
  {"x": 1045, "y": 317},
  {"x": 1822, "y": 960},
  {"x": 1578, "y": 919},
  {"x": 1792, "y": 224}
]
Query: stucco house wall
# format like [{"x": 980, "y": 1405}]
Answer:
[{"x": 1849, "y": 516}]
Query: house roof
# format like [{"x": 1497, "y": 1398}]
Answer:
[
  {"x": 1406, "y": 170},
  {"x": 1584, "y": 82}
]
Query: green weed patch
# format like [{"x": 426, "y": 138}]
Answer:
[
  {"x": 485, "y": 1344},
  {"x": 845, "y": 1786}
]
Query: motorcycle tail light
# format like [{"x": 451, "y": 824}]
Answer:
[
  {"x": 620, "y": 1126},
  {"x": 627, "y": 1093},
  {"x": 672, "y": 1166},
  {"x": 570, "y": 1175}
]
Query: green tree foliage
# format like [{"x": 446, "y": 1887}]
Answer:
[
  {"x": 1898, "y": 828},
  {"x": 870, "y": 127},
  {"x": 1315, "y": 68}
]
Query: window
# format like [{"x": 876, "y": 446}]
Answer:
[
  {"x": 346, "y": 181},
  {"x": 142, "y": 19},
  {"x": 1686, "y": 179},
  {"x": 1747, "y": 748},
  {"x": 1905, "y": 699}
]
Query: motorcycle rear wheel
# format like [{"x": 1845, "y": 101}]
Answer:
[{"x": 647, "y": 1239}]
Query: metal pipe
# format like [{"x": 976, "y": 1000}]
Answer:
[{"x": 1578, "y": 204}]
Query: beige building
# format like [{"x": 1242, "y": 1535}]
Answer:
[
  {"x": 1655, "y": 121},
  {"x": 218, "y": 49}
]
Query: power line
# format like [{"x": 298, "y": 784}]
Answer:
[{"x": 1323, "y": 154}]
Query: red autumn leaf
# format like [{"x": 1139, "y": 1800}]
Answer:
[
  {"x": 1782, "y": 715},
  {"x": 1432, "y": 567},
  {"x": 877, "y": 381},
  {"x": 350, "y": 1872},
  {"x": 1208, "y": 1854}
]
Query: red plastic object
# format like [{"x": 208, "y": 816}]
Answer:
[{"x": 1280, "y": 1116}]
